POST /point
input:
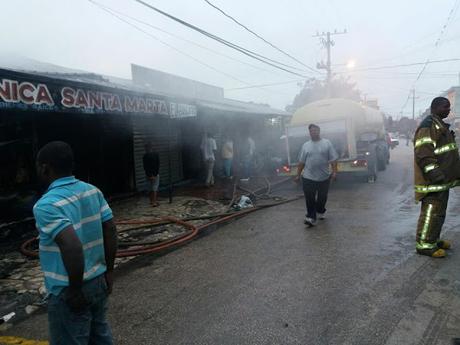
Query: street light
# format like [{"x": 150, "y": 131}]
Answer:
[{"x": 351, "y": 64}]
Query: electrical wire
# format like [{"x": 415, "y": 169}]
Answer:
[
  {"x": 451, "y": 15},
  {"x": 402, "y": 65},
  {"x": 247, "y": 52},
  {"x": 183, "y": 39},
  {"x": 178, "y": 50},
  {"x": 169, "y": 45},
  {"x": 265, "y": 85},
  {"x": 260, "y": 37}
]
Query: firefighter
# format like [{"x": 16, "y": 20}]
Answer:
[{"x": 437, "y": 169}]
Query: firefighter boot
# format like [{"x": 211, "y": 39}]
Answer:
[
  {"x": 434, "y": 253},
  {"x": 444, "y": 244}
]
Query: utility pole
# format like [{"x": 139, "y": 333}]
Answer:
[
  {"x": 328, "y": 44},
  {"x": 413, "y": 104}
]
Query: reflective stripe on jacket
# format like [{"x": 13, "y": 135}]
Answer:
[{"x": 436, "y": 158}]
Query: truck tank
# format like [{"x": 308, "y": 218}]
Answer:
[{"x": 365, "y": 119}]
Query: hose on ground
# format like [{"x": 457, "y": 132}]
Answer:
[{"x": 139, "y": 248}]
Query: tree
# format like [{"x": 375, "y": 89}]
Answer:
[{"x": 314, "y": 90}]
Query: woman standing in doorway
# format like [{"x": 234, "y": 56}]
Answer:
[{"x": 227, "y": 157}]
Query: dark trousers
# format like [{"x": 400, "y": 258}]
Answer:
[
  {"x": 315, "y": 196},
  {"x": 431, "y": 220}
]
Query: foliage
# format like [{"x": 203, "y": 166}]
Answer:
[{"x": 314, "y": 90}]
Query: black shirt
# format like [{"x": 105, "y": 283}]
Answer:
[{"x": 151, "y": 163}]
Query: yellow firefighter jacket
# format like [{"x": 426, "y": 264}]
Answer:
[{"x": 436, "y": 158}]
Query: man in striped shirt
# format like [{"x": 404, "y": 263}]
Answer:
[{"x": 78, "y": 242}]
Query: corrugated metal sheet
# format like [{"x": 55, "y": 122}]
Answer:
[{"x": 156, "y": 131}]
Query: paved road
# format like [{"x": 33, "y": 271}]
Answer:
[{"x": 266, "y": 279}]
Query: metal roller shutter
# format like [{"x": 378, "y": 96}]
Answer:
[{"x": 155, "y": 130}]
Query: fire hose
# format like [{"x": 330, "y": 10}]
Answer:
[{"x": 140, "y": 248}]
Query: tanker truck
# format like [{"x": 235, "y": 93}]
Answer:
[{"x": 356, "y": 131}]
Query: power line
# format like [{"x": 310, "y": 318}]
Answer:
[
  {"x": 265, "y": 85},
  {"x": 168, "y": 45},
  {"x": 174, "y": 48},
  {"x": 403, "y": 65},
  {"x": 242, "y": 50},
  {"x": 451, "y": 15},
  {"x": 181, "y": 38},
  {"x": 260, "y": 37}
]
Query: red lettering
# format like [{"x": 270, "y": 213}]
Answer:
[
  {"x": 26, "y": 93},
  {"x": 95, "y": 99},
  {"x": 43, "y": 95},
  {"x": 142, "y": 107},
  {"x": 68, "y": 99},
  {"x": 130, "y": 104},
  {"x": 163, "y": 109},
  {"x": 150, "y": 106},
  {"x": 106, "y": 99},
  {"x": 5, "y": 90},
  {"x": 81, "y": 100},
  {"x": 116, "y": 104},
  {"x": 14, "y": 90},
  {"x": 157, "y": 106}
]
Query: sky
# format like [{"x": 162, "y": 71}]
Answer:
[{"x": 80, "y": 35}]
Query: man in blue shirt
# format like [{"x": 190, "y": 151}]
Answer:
[
  {"x": 316, "y": 158},
  {"x": 78, "y": 243}
]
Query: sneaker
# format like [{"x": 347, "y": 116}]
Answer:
[
  {"x": 309, "y": 221},
  {"x": 322, "y": 216}
]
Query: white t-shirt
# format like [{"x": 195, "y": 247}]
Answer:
[
  {"x": 208, "y": 146},
  {"x": 317, "y": 156}
]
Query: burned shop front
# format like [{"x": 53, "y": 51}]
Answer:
[{"x": 106, "y": 126}]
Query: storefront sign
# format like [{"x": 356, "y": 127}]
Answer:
[{"x": 24, "y": 94}]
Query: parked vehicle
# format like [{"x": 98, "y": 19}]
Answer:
[
  {"x": 394, "y": 140},
  {"x": 356, "y": 131}
]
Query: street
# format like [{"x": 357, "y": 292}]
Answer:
[{"x": 267, "y": 279}]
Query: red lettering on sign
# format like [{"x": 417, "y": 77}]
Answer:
[
  {"x": 26, "y": 93},
  {"x": 14, "y": 90},
  {"x": 130, "y": 104},
  {"x": 116, "y": 103},
  {"x": 150, "y": 106},
  {"x": 106, "y": 99},
  {"x": 142, "y": 107},
  {"x": 81, "y": 100},
  {"x": 43, "y": 95},
  {"x": 164, "y": 109},
  {"x": 5, "y": 90},
  {"x": 157, "y": 106},
  {"x": 95, "y": 99},
  {"x": 68, "y": 99}
]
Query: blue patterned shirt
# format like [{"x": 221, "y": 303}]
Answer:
[{"x": 71, "y": 202}]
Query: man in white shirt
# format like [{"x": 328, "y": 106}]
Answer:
[
  {"x": 208, "y": 149},
  {"x": 317, "y": 157}
]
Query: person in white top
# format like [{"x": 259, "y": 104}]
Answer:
[{"x": 208, "y": 148}]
